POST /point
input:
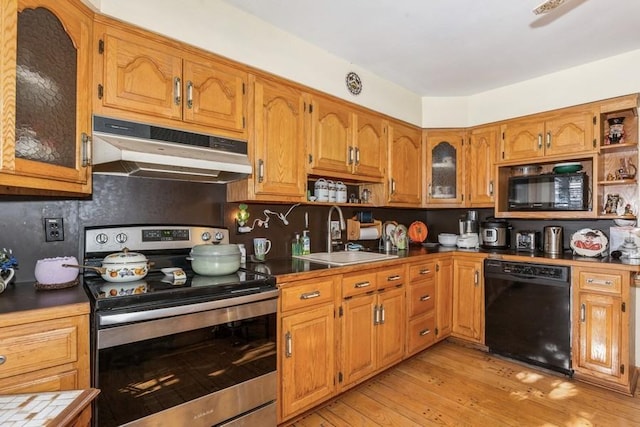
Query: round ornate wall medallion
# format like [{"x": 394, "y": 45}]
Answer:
[{"x": 354, "y": 84}]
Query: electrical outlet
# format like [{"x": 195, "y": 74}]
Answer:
[
  {"x": 335, "y": 230},
  {"x": 53, "y": 230}
]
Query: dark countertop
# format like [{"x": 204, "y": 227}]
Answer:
[
  {"x": 287, "y": 268},
  {"x": 23, "y": 297}
]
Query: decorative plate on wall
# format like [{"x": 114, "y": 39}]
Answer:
[{"x": 354, "y": 84}]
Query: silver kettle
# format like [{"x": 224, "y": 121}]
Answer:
[{"x": 552, "y": 240}]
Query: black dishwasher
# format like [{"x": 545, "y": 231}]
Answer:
[{"x": 528, "y": 313}]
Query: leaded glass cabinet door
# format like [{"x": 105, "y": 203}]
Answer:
[
  {"x": 445, "y": 157},
  {"x": 51, "y": 148}
]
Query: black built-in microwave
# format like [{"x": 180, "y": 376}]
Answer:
[{"x": 549, "y": 192}]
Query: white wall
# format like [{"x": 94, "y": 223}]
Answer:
[
  {"x": 227, "y": 31},
  {"x": 230, "y": 32}
]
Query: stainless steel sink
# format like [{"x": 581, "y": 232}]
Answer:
[{"x": 345, "y": 258}]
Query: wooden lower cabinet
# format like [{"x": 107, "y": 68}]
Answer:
[
  {"x": 45, "y": 351},
  {"x": 421, "y": 304},
  {"x": 468, "y": 298},
  {"x": 307, "y": 343},
  {"x": 602, "y": 330},
  {"x": 444, "y": 297}
]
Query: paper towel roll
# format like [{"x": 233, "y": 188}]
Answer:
[{"x": 369, "y": 233}]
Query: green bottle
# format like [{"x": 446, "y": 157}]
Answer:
[{"x": 296, "y": 245}]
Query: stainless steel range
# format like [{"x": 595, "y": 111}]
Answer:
[{"x": 170, "y": 350}]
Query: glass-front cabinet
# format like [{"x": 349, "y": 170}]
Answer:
[
  {"x": 46, "y": 118},
  {"x": 445, "y": 160}
]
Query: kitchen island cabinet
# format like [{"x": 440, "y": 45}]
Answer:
[
  {"x": 602, "y": 329},
  {"x": 45, "y": 147}
]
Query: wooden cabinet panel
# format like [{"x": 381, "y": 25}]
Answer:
[
  {"x": 358, "y": 338},
  {"x": 358, "y": 283},
  {"x": 307, "y": 293},
  {"x": 421, "y": 332},
  {"x": 468, "y": 303},
  {"x": 445, "y": 166},
  {"x": 523, "y": 139},
  {"x": 308, "y": 363},
  {"x": 480, "y": 166},
  {"x": 370, "y": 142},
  {"x": 421, "y": 297},
  {"x": 45, "y": 148},
  {"x": 570, "y": 132},
  {"x": 600, "y": 282},
  {"x": 279, "y": 130},
  {"x": 391, "y": 329},
  {"x": 444, "y": 298},
  {"x": 600, "y": 334},
  {"x": 405, "y": 165},
  {"x": 331, "y": 141}
]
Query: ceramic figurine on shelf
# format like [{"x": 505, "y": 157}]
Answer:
[
  {"x": 627, "y": 169},
  {"x": 616, "y": 131}
]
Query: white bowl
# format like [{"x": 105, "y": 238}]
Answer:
[{"x": 447, "y": 239}]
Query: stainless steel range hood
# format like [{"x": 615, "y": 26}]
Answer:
[{"x": 135, "y": 149}]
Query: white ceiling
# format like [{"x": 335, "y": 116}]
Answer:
[{"x": 457, "y": 47}]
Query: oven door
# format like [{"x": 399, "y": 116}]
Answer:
[{"x": 196, "y": 369}]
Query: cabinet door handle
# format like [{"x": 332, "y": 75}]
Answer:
[
  {"x": 381, "y": 309},
  {"x": 288, "y": 350},
  {"x": 189, "y": 94},
  {"x": 425, "y": 271},
  {"x": 3, "y": 359},
  {"x": 491, "y": 188},
  {"x": 583, "y": 312},
  {"x": 392, "y": 185},
  {"x": 361, "y": 285},
  {"x": 350, "y": 156},
  {"x": 476, "y": 278},
  {"x": 429, "y": 192},
  {"x": 357, "y": 156},
  {"x": 539, "y": 141},
  {"x": 260, "y": 170},
  {"x": 376, "y": 320},
  {"x": 425, "y": 332},
  {"x": 177, "y": 90},
  {"x": 393, "y": 278},
  {"x": 310, "y": 295},
  {"x": 425, "y": 298},
  {"x": 599, "y": 282},
  {"x": 86, "y": 149},
  {"x": 548, "y": 139}
]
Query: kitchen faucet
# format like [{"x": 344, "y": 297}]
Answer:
[{"x": 342, "y": 226}]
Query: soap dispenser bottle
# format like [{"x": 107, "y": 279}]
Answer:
[{"x": 306, "y": 243}]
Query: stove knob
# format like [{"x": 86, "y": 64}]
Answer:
[
  {"x": 206, "y": 236},
  {"x": 102, "y": 238},
  {"x": 219, "y": 236},
  {"x": 121, "y": 238}
]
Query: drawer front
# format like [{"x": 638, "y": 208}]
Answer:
[
  {"x": 357, "y": 284},
  {"x": 390, "y": 277},
  {"x": 422, "y": 271},
  {"x": 601, "y": 282},
  {"x": 32, "y": 347},
  {"x": 307, "y": 293},
  {"x": 421, "y": 297},
  {"x": 421, "y": 333}
]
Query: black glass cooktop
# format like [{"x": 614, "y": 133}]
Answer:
[{"x": 159, "y": 290}]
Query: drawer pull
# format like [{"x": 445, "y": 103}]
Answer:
[
  {"x": 360, "y": 285},
  {"x": 425, "y": 332},
  {"x": 310, "y": 295},
  {"x": 3, "y": 359},
  {"x": 599, "y": 282},
  {"x": 425, "y": 298},
  {"x": 425, "y": 271},
  {"x": 393, "y": 278}
]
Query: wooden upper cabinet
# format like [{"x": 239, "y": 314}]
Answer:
[
  {"x": 445, "y": 166},
  {"x": 45, "y": 93},
  {"x": 480, "y": 166},
  {"x": 147, "y": 78},
  {"x": 370, "y": 154},
  {"x": 331, "y": 138},
  {"x": 278, "y": 140},
  {"x": 405, "y": 165},
  {"x": 566, "y": 132}
]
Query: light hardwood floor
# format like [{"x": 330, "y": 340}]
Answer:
[{"x": 451, "y": 385}]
